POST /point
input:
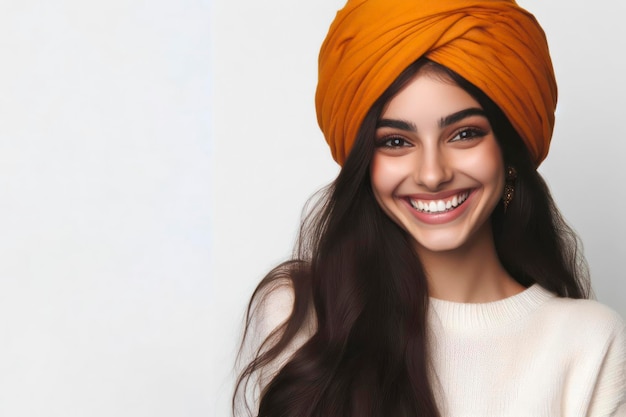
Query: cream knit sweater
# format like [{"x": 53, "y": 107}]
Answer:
[{"x": 530, "y": 355}]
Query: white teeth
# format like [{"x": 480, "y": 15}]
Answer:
[{"x": 439, "y": 206}]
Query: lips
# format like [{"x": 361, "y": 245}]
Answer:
[{"x": 437, "y": 206}]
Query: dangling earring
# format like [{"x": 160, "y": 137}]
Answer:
[{"x": 509, "y": 187}]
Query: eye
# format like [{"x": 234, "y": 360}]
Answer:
[
  {"x": 467, "y": 134},
  {"x": 393, "y": 142}
]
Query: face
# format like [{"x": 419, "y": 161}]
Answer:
[{"x": 437, "y": 170}]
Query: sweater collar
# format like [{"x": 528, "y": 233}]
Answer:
[{"x": 484, "y": 315}]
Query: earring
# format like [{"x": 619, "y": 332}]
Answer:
[{"x": 509, "y": 187}]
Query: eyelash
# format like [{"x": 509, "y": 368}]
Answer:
[
  {"x": 385, "y": 142},
  {"x": 467, "y": 134}
]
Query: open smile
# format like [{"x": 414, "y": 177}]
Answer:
[{"x": 440, "y": 205}]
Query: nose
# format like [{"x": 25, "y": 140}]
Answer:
[{"x": 433, "y": 169}]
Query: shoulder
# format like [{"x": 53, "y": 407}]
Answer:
[
  {"x": 583, "y": 315},
  {"x": 585, "y": 327},
  {"x": 590, "y": 335},
  {"x": 271, "y": 308},
  {"x": 590, "y": 339},
  {"x": 282, "y": 298},
  {"x": 271, "y": 318}
]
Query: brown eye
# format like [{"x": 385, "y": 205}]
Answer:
[
  {"x": 467, "y": 134},
  {"x": 393, "y": 142}
]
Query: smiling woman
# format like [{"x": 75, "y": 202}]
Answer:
[
  {"x": 438, "y": 172},
  {"x": 448, "y": 155},
  {"x": 435, "y": 276}
]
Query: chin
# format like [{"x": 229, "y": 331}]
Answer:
[
  {"x": 442, "y": 244},
  {"x": 449, "y": 239}
]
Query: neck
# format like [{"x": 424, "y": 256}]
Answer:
[{"x": 469, "y": 274}]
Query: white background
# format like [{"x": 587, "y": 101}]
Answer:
[
  {"x": 105, "y": 204},
  {"x": 154, "y": 160}
]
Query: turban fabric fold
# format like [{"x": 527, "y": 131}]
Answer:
[{"x": 494, "y": 44}]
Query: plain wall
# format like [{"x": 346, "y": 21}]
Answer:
[
  {"x": 270, "y": 155},
  {"x": 104, "y": 212}
]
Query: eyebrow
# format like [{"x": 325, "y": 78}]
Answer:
[
  {"x": 460, "y": 115},
  {"x": 397, "y": 124},
  {"x": 443, "y": 122}
]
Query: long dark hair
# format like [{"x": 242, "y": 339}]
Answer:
[{"x": 356, "y": 272}]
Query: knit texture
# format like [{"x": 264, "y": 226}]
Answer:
[{"x": 533, "y": 354}]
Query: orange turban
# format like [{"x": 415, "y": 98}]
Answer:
[{"x": 494, "y": 44}]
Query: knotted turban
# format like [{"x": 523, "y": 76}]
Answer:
[{"x": 494, "y": 44}]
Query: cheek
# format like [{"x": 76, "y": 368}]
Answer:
[
  {"x": 493, "y": 169},
  {"x": 491, "y": 173},
  {"x": 486, "y": 166},
  {"x": 385, "y": 176}
]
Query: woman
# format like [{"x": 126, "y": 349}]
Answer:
[{"x": 435, "y": 277}]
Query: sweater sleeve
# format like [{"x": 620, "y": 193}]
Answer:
[
  {"x": 269, "y": 310},
  {"x": 609, "y": 396},
  {"x": 269, "y": 313},
  {"x": 270, "y": 318}
]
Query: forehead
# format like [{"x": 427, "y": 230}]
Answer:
[{"x": 426, "y": 98}]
